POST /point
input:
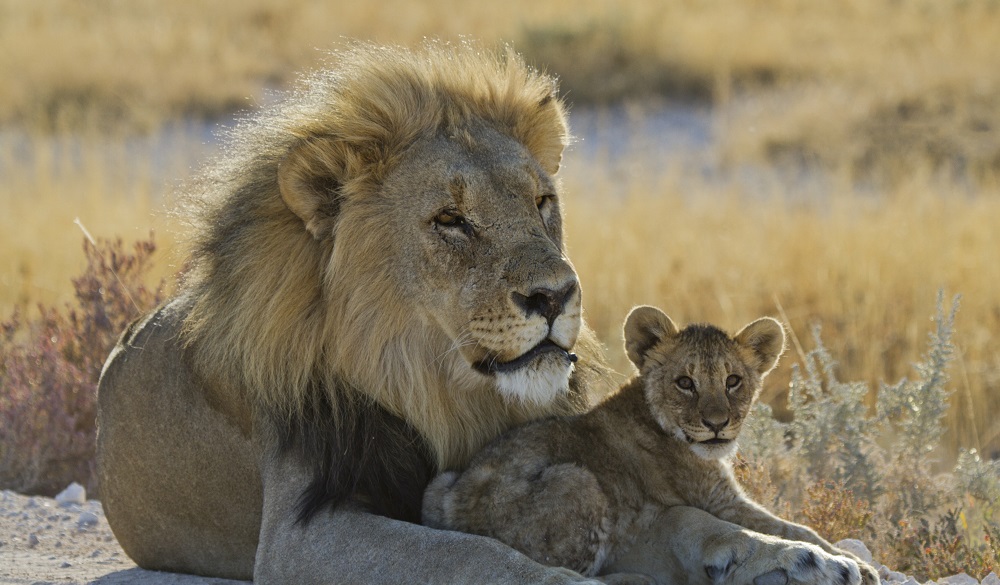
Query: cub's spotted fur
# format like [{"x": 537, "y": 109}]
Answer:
[{"x": 573, "y": 491}]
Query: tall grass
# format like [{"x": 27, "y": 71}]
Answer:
[
  {"x": 858, "y": 84},
  {"x": 865, "y": 267},
  {"x": 883, "y": 118}
]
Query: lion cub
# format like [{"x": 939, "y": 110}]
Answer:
[{"x": 573, "y": 492}]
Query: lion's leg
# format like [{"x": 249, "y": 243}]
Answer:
[
  {"x": 178, "y": 478},
  {"x": 689, "y": 546},
  {"x": 755, "y": 517},
  {"x": 348, "y": 545}
]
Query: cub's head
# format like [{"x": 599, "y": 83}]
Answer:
[{"x": 699, "y": 382}]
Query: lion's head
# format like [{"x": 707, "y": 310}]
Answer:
[{"x": 394, "y": 230}]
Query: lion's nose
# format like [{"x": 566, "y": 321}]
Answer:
[{"x": 546, "y": 302}]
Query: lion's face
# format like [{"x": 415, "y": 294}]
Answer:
[
  {"x": 699, "y": 382},
  {"x": 475, "y": 231}
]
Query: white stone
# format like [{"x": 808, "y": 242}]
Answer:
[
  {"x": 960, "y": 579},
  {"x": 991, "y": 579},
  {"x": 856, "y": 548},
  {"x": 911, "y": 581},
  {"x": 73, "y": 494},
  {"x": 87, "y": 520},
  {"x": 895, "y": 577}
]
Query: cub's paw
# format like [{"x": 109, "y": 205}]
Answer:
[{"x": 782, "y": 562}]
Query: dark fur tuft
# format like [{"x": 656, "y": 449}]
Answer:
[{"x": 359, "y": 453}]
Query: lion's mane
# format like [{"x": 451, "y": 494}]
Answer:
[{"x": 327, "y": 349}]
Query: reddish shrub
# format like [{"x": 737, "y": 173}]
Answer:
[{"x": 49, "y": 369}]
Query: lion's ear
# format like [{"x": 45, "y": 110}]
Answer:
[
  {"x": 645, "y": 327},
  {"x": 765, "y": 337},
  {"x": 309, "y": 180},
  {"x": 545, "y": 131}
]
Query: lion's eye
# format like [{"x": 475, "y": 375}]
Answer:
[
  {"x": 450, "y": 219},
  {"x": 684, "y": 383},
  {"x": 733, "y": 382}
]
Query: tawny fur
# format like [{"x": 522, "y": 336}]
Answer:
[
  {"x": 277, "y": 306},
  {"x": 339, "y": 336},
  {"x": 575, "y": 491}
]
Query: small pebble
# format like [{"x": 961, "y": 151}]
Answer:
[
  {"x": 86, "y": 521},
  {"x": 65, "y": 565},
  {"x": 73, "y": 494},
  {"x": 32, "y": 540},
  {"x": 857, "y": 548},
  {"x": 960, "y": 579}
]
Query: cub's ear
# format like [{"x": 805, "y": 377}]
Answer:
[
  {"x": 765, "y": 337},
  {"x": 645, "y": 327},
  {"x": 309, "y": 180}
]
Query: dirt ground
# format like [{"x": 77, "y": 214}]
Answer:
[{"x": 43, "y": 542}]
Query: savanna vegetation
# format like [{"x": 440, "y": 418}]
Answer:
[{"x": 851, "y": 170}]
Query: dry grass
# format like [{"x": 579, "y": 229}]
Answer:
[
  {"x": 865, "y": 267},
  {"x": 846, "y": 84},
  {"x": 902, "y": 90}
]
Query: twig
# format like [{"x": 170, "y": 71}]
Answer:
[{"x": 90, "y": 238}]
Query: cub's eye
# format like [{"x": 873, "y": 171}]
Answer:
[
  {"x": 684, "y": 383},
  {"x": 733, "y": 382}
]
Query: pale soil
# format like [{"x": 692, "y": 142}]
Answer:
[{"x": 42, "y": 542}]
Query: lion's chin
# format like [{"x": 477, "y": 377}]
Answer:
[{"x": 539, "y": 382}]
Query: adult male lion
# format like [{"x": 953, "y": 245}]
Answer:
[{"x": 377, "y": 288}]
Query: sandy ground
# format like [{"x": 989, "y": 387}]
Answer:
[{"x": 43, "y": 542}]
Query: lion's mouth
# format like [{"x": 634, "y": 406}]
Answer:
[
  {"x": 491, "y": 366},
  {"x": 714, "y": 441}
]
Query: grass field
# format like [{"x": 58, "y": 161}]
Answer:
[
  {"x": 897, "y": 102},
  {"x": 906, "y": 91}
]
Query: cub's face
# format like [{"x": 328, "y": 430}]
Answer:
[{"x": 699, "y": 382}]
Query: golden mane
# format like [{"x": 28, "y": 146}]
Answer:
[{"x": 279, "y": 313}]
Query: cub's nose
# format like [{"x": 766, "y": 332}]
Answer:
[
  {"x": 546, "y": 302},
  {"x": 715, "y": 425}
]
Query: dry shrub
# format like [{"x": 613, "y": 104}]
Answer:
[
  {"x": 943, "y": 546},
  {"x": 834, "y": 512},
  {"x": 49, "y": 367}
]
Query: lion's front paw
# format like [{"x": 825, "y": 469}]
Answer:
[{"x": 782, "y": 562}]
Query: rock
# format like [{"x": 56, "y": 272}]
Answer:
[
  {"x": 86, "y": 521},
  {"x": 911, "y": 581},
  {"x": 73, "y": 494},
  {"x": 32, "y": 540},
  {"x": 991, "y": 579},
  {"x": 856, "y": 548},
  {"x": 960, "y": 579},
  {"x": 65, "y": 565}
]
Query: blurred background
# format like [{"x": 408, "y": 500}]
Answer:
[{"x": 828, "y": 163}]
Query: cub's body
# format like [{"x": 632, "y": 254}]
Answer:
[{"x": 574, "y": 491}]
